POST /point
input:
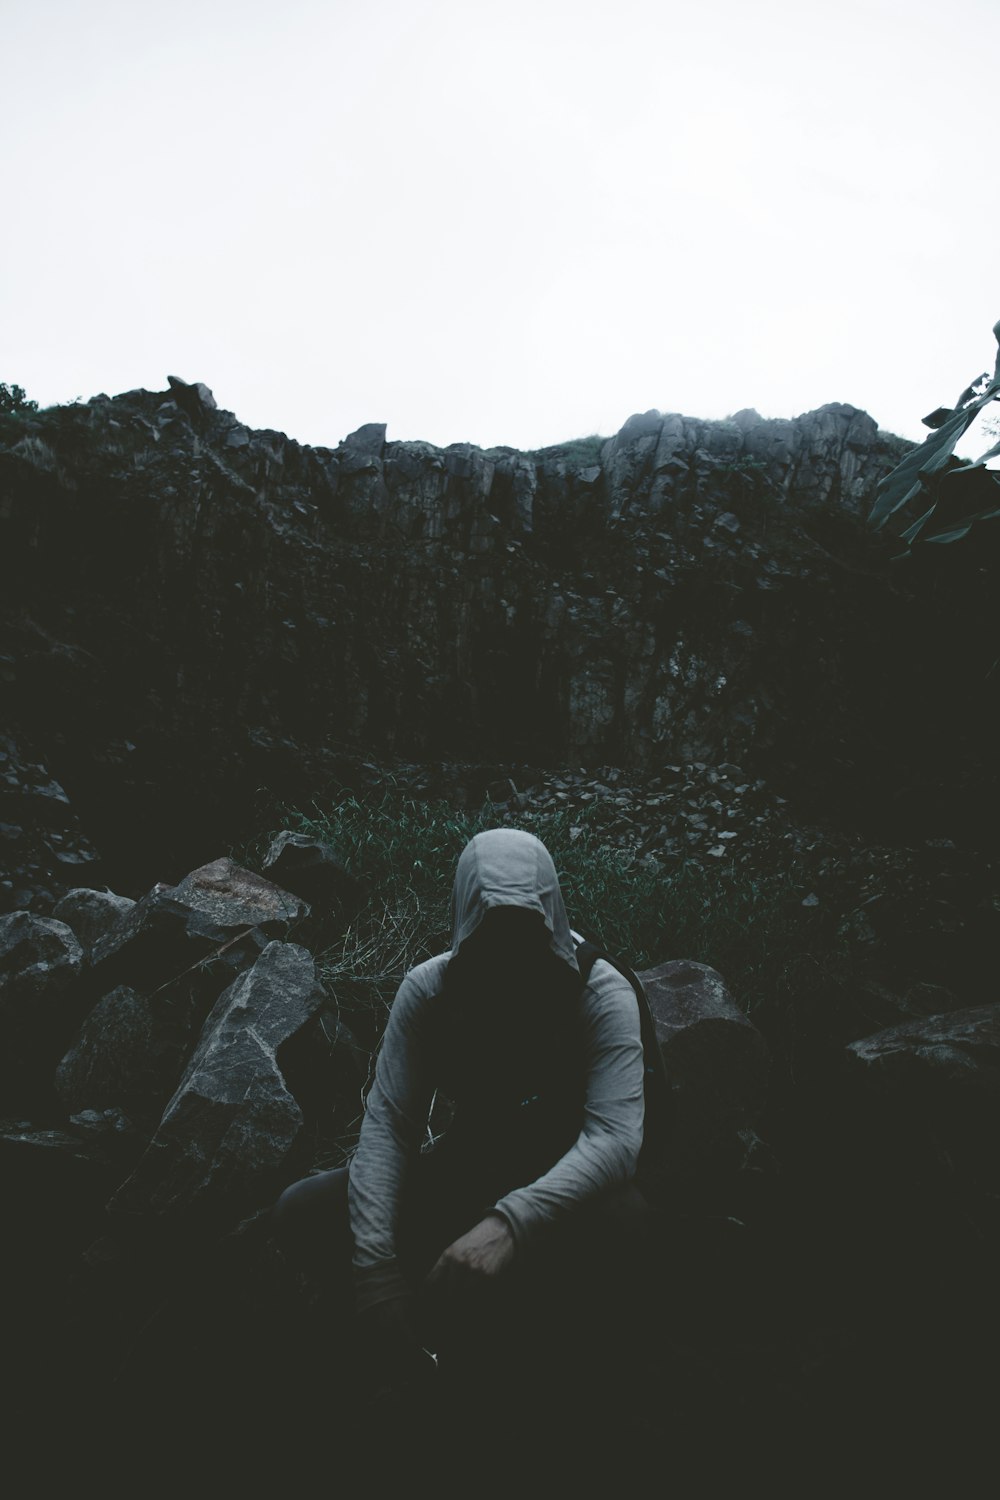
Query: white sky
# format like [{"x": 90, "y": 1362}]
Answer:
[{"x": 501, "y": 223}]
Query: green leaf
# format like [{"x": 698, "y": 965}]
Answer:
[
  {"x": 912, "y": 532},
  {"x": 933, "y": 453},
  {"x": 954, "y": 535},
  {"x": 931, "y": 471}
]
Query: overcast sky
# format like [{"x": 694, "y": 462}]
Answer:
[{"x": 501, "y": 223}]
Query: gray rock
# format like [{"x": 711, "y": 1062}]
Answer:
[
  {"x": 95, "y": 1145},
  {"x": 91, "y": 914},
  {"x": 154, "y": 977},
  {"x": 129, "y": 1055},
  {"x": 226, "y": 1132},
  {"x": 197, "y": 400},
  {"x": 363, "y": 449},
  {"x": 222, "y": 896},
  {"x": 960, "y": 1049},
  {"x": 717, "y": 1061},
  {"x": 39, "y": 956},
  {"x": 312, "y": 869}
]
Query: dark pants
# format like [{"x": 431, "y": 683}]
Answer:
[{"x": 580, "y": 1281}]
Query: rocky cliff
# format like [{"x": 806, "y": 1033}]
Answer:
[{"x": 193, "y": 611}]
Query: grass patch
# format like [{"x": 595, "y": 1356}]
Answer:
[{"x": 749, "y": 926}]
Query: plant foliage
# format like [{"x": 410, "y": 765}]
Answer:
[
  {"x": 13, "y": 399},
  {"x": 951, "y": 495}
]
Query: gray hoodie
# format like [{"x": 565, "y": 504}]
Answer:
[{"x": 503, "y": 867}]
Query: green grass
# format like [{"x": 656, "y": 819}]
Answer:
[{"x": 749, "y": 926}]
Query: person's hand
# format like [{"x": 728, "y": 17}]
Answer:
[{"x": 475, "y": 1258}]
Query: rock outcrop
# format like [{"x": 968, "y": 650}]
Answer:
[{"x": 194, "y": 611}]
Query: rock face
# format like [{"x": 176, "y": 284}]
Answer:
[
  {"x": 716, "y": 1060},
  {"x": 193, "y": 611},
  {"x": 232, "y": 1121}
]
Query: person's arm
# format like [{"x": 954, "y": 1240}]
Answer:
[
  {"x": 606, "y": 1152},
  {"x": 391, "y": 1132}
]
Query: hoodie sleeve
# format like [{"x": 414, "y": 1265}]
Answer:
[
  {"x": 391, "y": 1132},
  {"x": 606, "y": 1152}
]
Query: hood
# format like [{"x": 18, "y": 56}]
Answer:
[{"x": 509, "y": 867}]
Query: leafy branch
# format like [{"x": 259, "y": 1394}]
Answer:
[{"x": 952, "y": 494}]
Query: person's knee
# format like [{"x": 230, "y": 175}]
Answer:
[
  {"x": 286, "y": 1211},
  {"x": 315, "y": 1204}
]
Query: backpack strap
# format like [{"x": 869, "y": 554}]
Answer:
[{"x": 657, "y": 1093}]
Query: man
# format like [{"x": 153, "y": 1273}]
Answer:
[{"x": 534, "y": 1178}]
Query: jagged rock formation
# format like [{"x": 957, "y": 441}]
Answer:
[
  {"x": 193, "y": 611},
  {"x": 226, "y": 1132}
]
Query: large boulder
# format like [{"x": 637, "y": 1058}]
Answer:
[
  {"x": 40, "y": 958},
  {"x": 717, "y": 1062},
  {"x": 232, "y": 1122}
]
